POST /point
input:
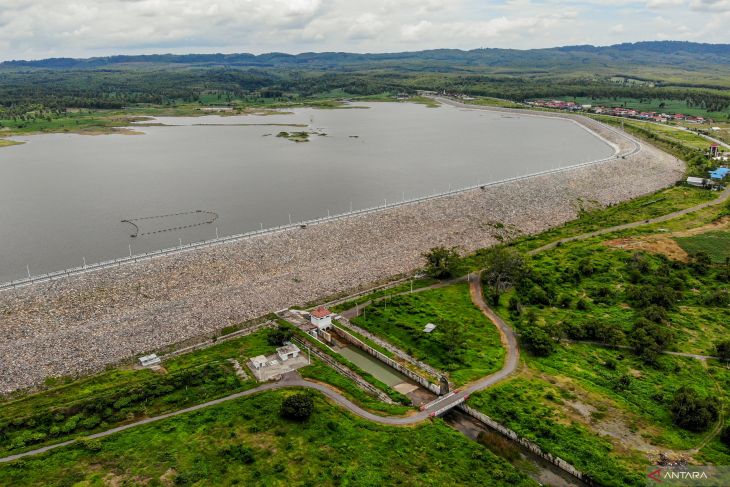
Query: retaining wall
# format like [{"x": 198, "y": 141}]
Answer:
[
  {"x": 532, "y": 447},
  {"x": 387, "y": 360},
  {"x": 362, "y": 383},
  {"x": 389, "y": 347}
]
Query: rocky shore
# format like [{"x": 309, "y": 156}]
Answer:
[{"x": 84, "y": 323}]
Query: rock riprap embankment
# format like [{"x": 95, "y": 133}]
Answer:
[{"x": 84, "y": 323}]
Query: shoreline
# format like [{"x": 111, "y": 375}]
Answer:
[{"x": 84, "y": 323}]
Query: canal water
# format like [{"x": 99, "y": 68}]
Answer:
[
  {"x": 543, "y": 472},
  {"x": 376, "y": 368},
  {"x": 64, "y": 197}
]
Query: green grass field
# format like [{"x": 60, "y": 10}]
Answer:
[
  {"x": 715, "y": 244},
  {"x": 119, "y": 395},
  {"x": 465, "y": 343},
  {"x": 245, "y": 442}
]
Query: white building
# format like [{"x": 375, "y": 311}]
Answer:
[
  {"x": 259, "y": 361},
  {"x": 699, "y": 182},
  {"x": 151, "y": 359},
  {"x": 287, "y": 352},
  {"x": 322, "y": 318}
]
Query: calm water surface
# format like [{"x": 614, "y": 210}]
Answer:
[{"x": 63, "y": 197}]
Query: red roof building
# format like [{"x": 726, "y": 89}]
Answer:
[{"x": 321, "y": 312}]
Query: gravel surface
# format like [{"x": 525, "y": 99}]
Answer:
[{"x": 84, "y": 323}]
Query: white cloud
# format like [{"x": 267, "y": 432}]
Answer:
[{"x": 44, "y": 28}]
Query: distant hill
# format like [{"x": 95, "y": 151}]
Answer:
[{"x": 687, "y": 55}]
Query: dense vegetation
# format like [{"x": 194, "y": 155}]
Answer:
[
  {"x": 242, "y": 442},
  {"x": 694, "y": 74}
]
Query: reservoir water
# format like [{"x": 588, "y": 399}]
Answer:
[{"x": 63, "y": 197}]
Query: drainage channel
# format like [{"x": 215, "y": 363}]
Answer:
[
  {"x": 384, "y": 373},
  {"x": 538, "y": 469}
]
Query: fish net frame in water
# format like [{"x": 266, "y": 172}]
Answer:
[{"x": 211, "y": 217}]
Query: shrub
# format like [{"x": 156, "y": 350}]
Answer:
[
  {"x": 622, "y": 382},
  {"x": 582, "y": 304},
  {"x": 719, "y": 297},
  {"x": 239, "y": 453},
  {"x": 722, "y": 349},
  {"x": 725, "y": 436},
  {"x": 442, "y": 262},
  {"x": 649, "y": 339},
  {"x": 280, "y": 335},
  {"x": 700, "y": 262},
  {"x": 693, "y": 412},
  {"x": 298, "y": 407},
  {"x": 586, "y": 267},
  {"x": 654, "y": 313},
  {"x": 564, "y": 301},
  {"x": 537, "y": 295},
  {"x": 514, "y": 305},
  {"x": 537, "y": 341},
  {"x": 91, "y": 444}
]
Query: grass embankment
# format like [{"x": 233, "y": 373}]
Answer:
[
  {"x": 535, "y": 410},
  {"x": 123, "y": 395},
  {"x": 582, "y": 283},
  {"x": 465, "y": 344},
  {"x": 373, "y": 404},
  {"x": 494, "y": 102},
  {"x": 608, "y": 410},
  {"x": 389, "y": 291},
  {"x": 593, "y": 217},
  {"x": 245, "y": 442}
]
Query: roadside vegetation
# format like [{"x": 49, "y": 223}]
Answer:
[
  {"x": 594, "y": 318},
  {"x": 247, "y": 442},
  {"x": 126, "y": 394}
]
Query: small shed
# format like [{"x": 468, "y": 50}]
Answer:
[
  {"x": 287, "y": 351},
  {"x": 148, "y": 360},
  {"x": 429, "y": 327},
  {"x": 259, "y": 361},
  {"x": 694, "y": 181},
  {"x": 322, "y": 318}
]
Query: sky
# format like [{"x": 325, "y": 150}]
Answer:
[{"x": 35, "y": 29}]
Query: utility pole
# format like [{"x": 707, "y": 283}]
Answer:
[
  {"x": 130, "y": 250},
  {"x": 216, "y": 232},
  {"x": 27, "y": 267}
]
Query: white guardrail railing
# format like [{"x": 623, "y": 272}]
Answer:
[{"x": 52, "y": 276}]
